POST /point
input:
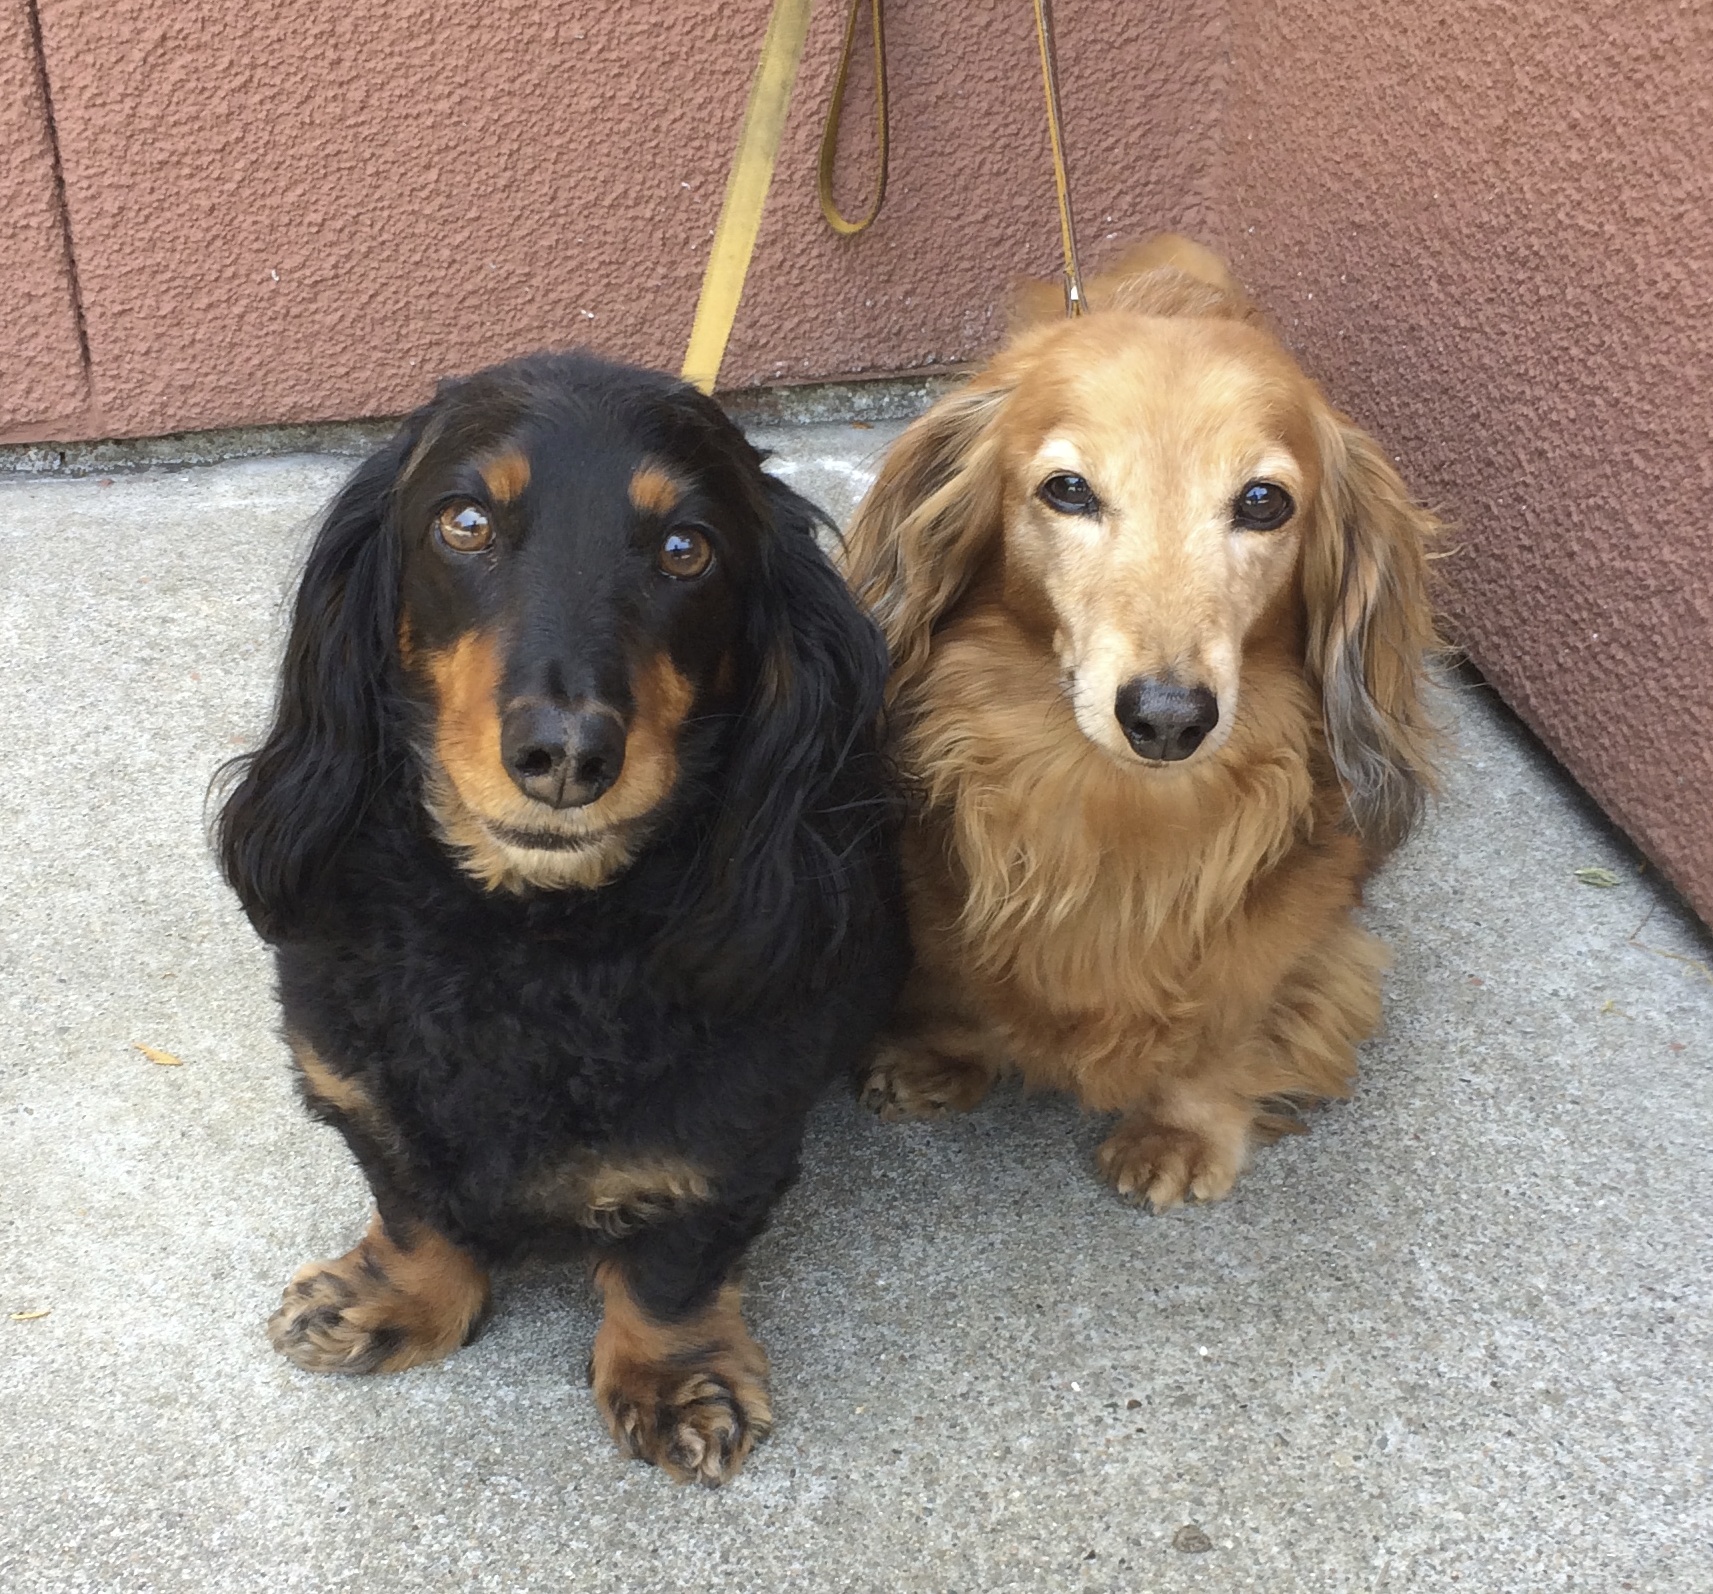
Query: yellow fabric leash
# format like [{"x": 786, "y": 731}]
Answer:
[
  {"x": 746, "y": 191},
  {"x": 840, "y": 223},
  {"x": 1074, "y": 305}
]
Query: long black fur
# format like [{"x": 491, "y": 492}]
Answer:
[
  {"x": 334, "y": 734},
  {"x": 697, "y": 1004}
]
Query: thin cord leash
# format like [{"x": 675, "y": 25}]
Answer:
[
  {"x": 1074, "y": 303},
  {"x": 839, "y": 222},
  {"x": 746, "y": 191}
]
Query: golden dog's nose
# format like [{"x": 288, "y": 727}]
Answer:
[{"x": 1163, "y": 721}]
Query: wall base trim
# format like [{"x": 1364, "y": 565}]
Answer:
[{"x": 883, "y": 398}]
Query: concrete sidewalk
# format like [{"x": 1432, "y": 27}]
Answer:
[{"x": 1457, "y": 1336}]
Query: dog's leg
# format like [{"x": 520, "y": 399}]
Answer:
[
  {"x": 685, "y": 1390},
  {"x": 1190, "y": 1141},
  {"x": 1324, "y": 1008},
  {"x": 676, "y": 1375},
  {"x": 1195, "y": 1133},
  {"x": 932, "y": 1060},
  {"x": 403, "y": 1295},
  {"x": 917, "y": 1076}
]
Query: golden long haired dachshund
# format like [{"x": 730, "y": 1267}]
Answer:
[{"x": 1159, "y": 617}]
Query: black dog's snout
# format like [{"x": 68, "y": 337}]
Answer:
[
  {"x": 1164, "y": 721},
  {"x": 564, "y": 757}
]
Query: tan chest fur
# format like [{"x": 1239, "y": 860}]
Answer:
[{"x": 1059, "y": 890}]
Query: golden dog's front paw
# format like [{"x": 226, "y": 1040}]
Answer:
[
  {"x": 1165, "y": 1165},
  {"x": 691, "y": 1397},
  {"x": 909, "y": 1080},
  {"x": 381, "y": 1307}
]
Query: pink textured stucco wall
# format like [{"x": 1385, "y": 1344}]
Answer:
[
  {"x": 971, "y": 203},
  {"x": 298, "y": 211},
  {"x": 1490, "y": 231},
  {"x": 41, "y": 363}
]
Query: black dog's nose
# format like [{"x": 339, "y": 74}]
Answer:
[
  {"x": 564, "y": 757},
  {"x": 1164, "y": 721}
]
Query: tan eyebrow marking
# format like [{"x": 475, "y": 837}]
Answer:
[
  {"x": 653, "y": 491},
  {"x": 506, "y": 475}
]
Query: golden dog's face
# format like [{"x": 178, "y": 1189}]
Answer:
[
  {"x": 1158, "y": 476},
  {"x": 1156, "y": 498}
]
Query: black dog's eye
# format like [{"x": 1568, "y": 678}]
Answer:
[
  {"x": 1068, "y": 494},
  {"x": 684, "y": 553},
  {"x": 1262, "y": 506},
  {"x": 464, "y": 527}
]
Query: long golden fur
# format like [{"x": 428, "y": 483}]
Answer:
[{"x": 1168, "y": 940}]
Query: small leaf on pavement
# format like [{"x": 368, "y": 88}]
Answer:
[{"x": 156, "y": 1055}]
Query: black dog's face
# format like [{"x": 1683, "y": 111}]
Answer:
[
  {"x": 574, "y": 559},
  {"x": 567, "y": 594}
]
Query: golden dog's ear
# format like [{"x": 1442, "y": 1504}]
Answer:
[
  {"x": 1370, "y": 632},
  {"x": 916, "y": 540}
]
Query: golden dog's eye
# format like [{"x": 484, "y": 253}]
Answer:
[
  {"x": 684, "y": 553},
  {"x": 1068, "y": 494},
  {"x": 1262, "y": 506},
  {"x": 464, "y": 527}
]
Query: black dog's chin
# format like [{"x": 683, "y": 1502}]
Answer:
[{"x": 545, "y": 840}]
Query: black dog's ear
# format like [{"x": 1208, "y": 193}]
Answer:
[
  {"x": 300, "y": 794},
  {"x": 803, "y": 798}
]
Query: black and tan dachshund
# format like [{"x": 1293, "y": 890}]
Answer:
[{"x": 573, "y": 842}]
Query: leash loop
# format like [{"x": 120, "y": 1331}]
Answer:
[
  {"x": 1074, "y": 304},
  {"x": 839, "y": 222}
]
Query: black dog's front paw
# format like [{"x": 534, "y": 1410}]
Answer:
[
  {"x": 381, "y": 1307},
  {"x": 697, "y": 1427},
  {"x": 691, "y": 1397}
]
